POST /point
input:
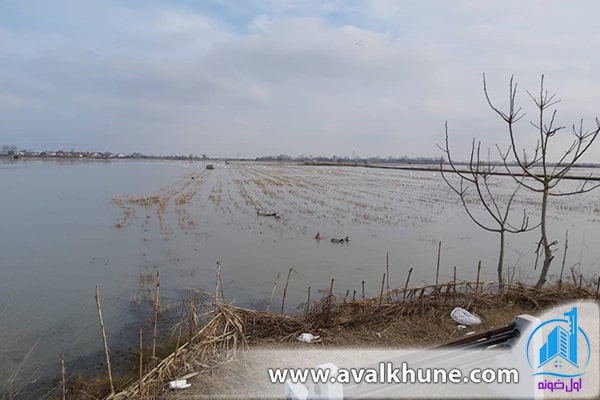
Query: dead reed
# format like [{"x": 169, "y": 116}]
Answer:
[
  {"x": 232, "y": 328},
  {"x": 156, "y": 310},
  {"x": 106, "y": 352}
]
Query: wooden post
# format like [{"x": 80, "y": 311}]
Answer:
[
  {"x": 363, "y": 290},
  {"x": 406, "y": 284},
  {"x": 346, "y": 296},
  {"x": 437, "y": 271},
  {"x": 354, "y": 296},
  {"x": 106, "y": 353}
]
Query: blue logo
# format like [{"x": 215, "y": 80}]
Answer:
[{"x": 564, "y": 351}]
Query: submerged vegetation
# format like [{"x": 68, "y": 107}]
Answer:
[{"x": 307, "y": 199}]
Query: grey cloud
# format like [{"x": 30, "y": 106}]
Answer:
[{"x": 183, "y": 82}]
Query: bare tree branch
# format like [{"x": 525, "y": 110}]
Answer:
[{"x": 552, "y": 173}]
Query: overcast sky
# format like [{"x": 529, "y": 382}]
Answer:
[{"x": 251, "y": 78}]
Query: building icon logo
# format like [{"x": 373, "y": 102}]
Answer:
[{"x": 565, "y": 347}]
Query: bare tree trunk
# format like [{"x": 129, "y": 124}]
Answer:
[
  {"x": 501, "y": 258},
  {"x": 564, "y": 260},
  {"x": 545, "y": 244}
]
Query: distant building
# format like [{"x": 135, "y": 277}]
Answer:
[{"x": 6, "y": 150}]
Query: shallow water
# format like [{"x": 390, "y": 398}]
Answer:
[{"x": 59, "y": 238}]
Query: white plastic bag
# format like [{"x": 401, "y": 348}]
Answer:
[
  {"x": 179, "y": 384},
  {"x": 463, "y": 317},
  {"x": 308, "y": 338}
]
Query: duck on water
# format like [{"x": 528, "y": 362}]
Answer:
[
  {"x": 343, "y": 240},
  {"x": 333, "y": 240}
]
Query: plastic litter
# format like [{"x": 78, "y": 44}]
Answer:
[
  {"x": 179, "y": 384},
  {"x": 463, "y": 317},
  {"x": 308, "y": 338}
]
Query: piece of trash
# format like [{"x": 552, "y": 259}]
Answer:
[
  {"x": 308, "y": 338},
  {"x": 179, "y": 384},
  {"x": 463, "y": 317},
  {"x": 461, "y": 327}
]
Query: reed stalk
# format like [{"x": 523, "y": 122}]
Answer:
[
  {"x": 437, "y": 270},
  {"x": 218, "y": 284},
  {"x": 329, "y": 300},
  {"x": 287, "y": 281},
  {"x": 63, "y": 373},
  {"x": 156, "y": 309},
  {"x": 178, "y": 334},
  {"x": 141, "y": 349},
  {"x": 387, "y": 271},
  {"x": 307, "y": 309},
  {"x": 478, "y": 272},
  {"x": 106, "y": 352},
  {"x": 273, "y": 291},
  {"x": 454, "y": 280},
  {"x": 381, "y": 293},
  {"x": 407, "y": 280}
]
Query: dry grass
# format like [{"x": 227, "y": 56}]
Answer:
[{"x": 410, "y": 317}]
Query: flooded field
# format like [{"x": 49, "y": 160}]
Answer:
[{"x": 65, "y": 227}]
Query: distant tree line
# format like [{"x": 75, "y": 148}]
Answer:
[{"x": 347, "y": 159}]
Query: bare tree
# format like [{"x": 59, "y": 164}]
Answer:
[
  {"x": 476, "y": 176},
  {"x": 542, "y": 175}
]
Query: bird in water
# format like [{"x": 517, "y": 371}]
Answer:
[
  {"x": 336, "y": 240},
  {"x": 318, "y": 236}
]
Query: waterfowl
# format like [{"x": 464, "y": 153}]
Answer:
[
  {"x": 318, "y": 236},
  {"x": 271, "y": 214},
  {"x": 336, "y": 240}
]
